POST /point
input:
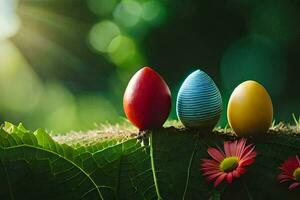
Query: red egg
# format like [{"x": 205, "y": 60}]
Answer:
[{"x": 147, "y": 99}]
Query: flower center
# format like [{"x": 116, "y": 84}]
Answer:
[
  {"x": 229, "y": 164},
  {"x": 296, "y": 174}
]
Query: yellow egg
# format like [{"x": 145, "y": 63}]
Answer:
[{"x": 250, "y": 109}]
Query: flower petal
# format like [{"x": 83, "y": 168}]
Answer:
[
  {"x": 229, "y": 178},
  {"x": 297, "y": 158},
  {"x": 206, "y": 173},
  {"x": 216, "y": 154},
  {"x": 209, "y": 169},
  {"x": 284, "y": 176},
  {"x": 235, "y": 174},
  {"x": 227, "y": 148},
  {"x": 241, "y": 170},
  {"x": 295, "y": 184},
  {"x": 233, "y": 148},
  {"x": 289, "y": 166},
  {"x": 213, "y": 176},
  {"x": 284, "y": 180},
  {"x": 219, "y": 179},
  {"x": 247, "y": 151},
  {"x": 209, "y": 163},
  {"x": 240, "y": 146},
  {"x": 246, "y": 162}
]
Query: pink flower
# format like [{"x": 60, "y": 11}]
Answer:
[
  {"x": 290, "y": 171},
  {"x": 229, "y": 164}
]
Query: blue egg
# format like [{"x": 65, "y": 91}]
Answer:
[{"x": 199, "y": 102}]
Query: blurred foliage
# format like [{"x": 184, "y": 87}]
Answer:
[{"x": 64, "y": 64}]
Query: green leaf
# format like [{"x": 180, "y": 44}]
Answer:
[
  {"x": 176, "y": 156},
  {"x": 32, "y": 173},
  {"x": 176, "y": 165},
  {"x": 34, "y": 166},
  {"x": 115, "y": 170},
  {"x": 271, "y": 154}
]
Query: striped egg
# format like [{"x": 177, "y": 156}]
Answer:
[{"x": 199, "y": 102}]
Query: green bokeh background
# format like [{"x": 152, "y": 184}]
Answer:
[{"x": 64, "y": 64}]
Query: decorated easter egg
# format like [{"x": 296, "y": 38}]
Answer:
[
  {"x": 147, "y": 99},
  {"x": 199, "y": 102},
  {"x": 250, "y": 109}
]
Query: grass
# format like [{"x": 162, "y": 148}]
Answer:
[
  {"x": 101, "y": 132},
  {"x": 297, "y": 122},
  {"x": 126, "y": 130}
]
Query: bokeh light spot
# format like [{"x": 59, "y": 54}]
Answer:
[
  {"x": 121, "y": 49},
  {"x": 153, "y": 12},
  {"x": 128, "y": 12},
  {"x": 277, "y": 21},
  {"x": 254, "y": 57},
  {"x": 19, "y": 85},
  {"x": 102, "y": 7},
  {"x": 102, "y": 34},
  {"x": 58, "y": 108},
  {"x": 93, "y": 108},
  {"x": 9, "y": 20}
]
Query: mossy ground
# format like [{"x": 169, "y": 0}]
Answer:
[{"x": 126, "y": 130}]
